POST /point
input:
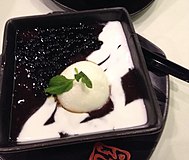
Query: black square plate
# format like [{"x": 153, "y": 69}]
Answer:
[{"x": 155, "y": 122}]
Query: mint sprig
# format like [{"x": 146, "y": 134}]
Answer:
[{"x": 60, "y": 84}]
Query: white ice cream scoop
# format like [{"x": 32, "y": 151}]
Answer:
[{"x": 81, "y": 98}]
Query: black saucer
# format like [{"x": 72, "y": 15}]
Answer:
[{"x": 133, "y": 6}]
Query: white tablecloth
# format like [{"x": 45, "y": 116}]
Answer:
[{"x": 166, "y": 24}]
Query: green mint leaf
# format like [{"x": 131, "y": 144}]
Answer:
[
  {"x": 59, "y": 84},
  {"x": 57, "y": 80},
  {"x": 78, "y": 77},
  {"x": 86, "y": 80}
]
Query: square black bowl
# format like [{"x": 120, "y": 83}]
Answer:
[{"x": 154, "y": 118}]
